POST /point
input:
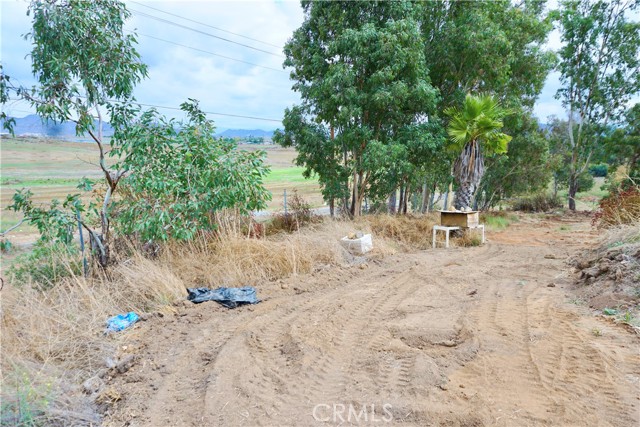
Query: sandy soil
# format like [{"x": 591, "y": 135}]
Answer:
[{"x": 457, "y": 337}]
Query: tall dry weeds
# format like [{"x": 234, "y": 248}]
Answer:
[
  {"x": 60, "y": 331},
  {"x": 411, "y": 232}
]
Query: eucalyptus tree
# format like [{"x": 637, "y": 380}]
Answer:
[
  {"x": 623, "y": 144},
  {"x": 474, "y": 129},
  {"x": 492, "y": 46},
  {"x": 495, "y": 47},
  {"x": 527, "y": 167},
  {"x": 599, "y": 72},
  {"x": 361, "y": 73},
  {"x": 85, "y": 67}
]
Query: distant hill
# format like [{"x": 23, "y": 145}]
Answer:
[
  {"x": 32, "y": 125},
  {"x": 244, "y": 133}
]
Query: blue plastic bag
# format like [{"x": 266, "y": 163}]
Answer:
[{"x": 121, "y": 321}]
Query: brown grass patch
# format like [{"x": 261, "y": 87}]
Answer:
[
  {"x": 412, "y": 232},
  {"x": 59, "y": 332}
]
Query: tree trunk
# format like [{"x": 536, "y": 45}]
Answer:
[
  {"x": 358, "y": 194},
  {"x": 391, "y": 205},
  {"x": 573, "y": 189},
  {"x": 463, "y": 195},
  {"x": 401, "y": 204},
  {"x": 426, "y": 195},
  {"x": 432, "y": 199},
  {"x": 332, "y": 208},
  {"x": 407, "y": 194}
]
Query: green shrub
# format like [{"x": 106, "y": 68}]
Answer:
[
  {"x": 24, "y": 402},
  {"x": 497, "y": 220},
  {"x": 536, "y": 203},
  {"x": 600, "y": 170},
  {"x": 46, "y": 264},
  {"x": 181, "y": 176},
  {"x": 5, "y": 245}
]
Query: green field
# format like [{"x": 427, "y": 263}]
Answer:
[{"x": 52, "y": 169}]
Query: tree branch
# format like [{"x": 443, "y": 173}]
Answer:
[{"x": 10, "y": 229}]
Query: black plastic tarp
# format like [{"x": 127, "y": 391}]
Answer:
[{"x": 228, "y": 297}]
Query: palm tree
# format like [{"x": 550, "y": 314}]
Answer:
[{"x": 473, "y": 129}]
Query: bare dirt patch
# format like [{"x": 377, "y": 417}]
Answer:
[{"x": 465, "y": 336}]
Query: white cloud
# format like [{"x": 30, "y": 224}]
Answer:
[
  {"x": 222, "y": 85},
  {"x": 177, "y": 73}
]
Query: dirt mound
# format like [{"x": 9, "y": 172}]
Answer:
[{"x": 609, "y": 274}]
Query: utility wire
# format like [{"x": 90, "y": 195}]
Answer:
[
  {"x": 166, "y": 21},
  {"x": 213, "y": 113},
  {"x": 180, "y": 109},
  {"x": 11, "y": 110},
  {"x": 206, "y": 51},
  {"x": 206, "y": 25}
]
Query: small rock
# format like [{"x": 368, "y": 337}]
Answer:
[
  {"x": 363, "y": 266},
  {"x": 92, "y": 385},
  {"x": 110, "y": 363},
  {"x": 125, "y": 364},
  {"x": 590, "y": 272},
  {"x": 613, "y": 253},
  {"x": 619, "y": 274},
  {"x": 284, "y": 286},
  {"x": 551, "y": 285},
  {"x": 473, "y": 292},
  {"x": 550, "y": 256},
  {"x": 443, "y": 386}
]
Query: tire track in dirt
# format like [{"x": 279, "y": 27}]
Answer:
[
  {"x": 322, "y": 375},
  {"x": 449, "y": 337},
  {"x": 536, "y": 362}
]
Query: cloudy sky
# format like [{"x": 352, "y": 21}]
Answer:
[{"x": 182, "y": 43}]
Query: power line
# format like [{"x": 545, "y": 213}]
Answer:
[
  {"x": 206, "y": 25},
  {"x": 11, "y": 110},
  {"x": 206, "y": 51},
  {"x": 211, "y": 112},
  {"x": 266, "y": 119},
  {"x": 166, "y": 21}
]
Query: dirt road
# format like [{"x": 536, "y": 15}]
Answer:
[{"x": 458, "y": 337}]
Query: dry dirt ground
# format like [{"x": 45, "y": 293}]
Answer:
[{"x": 458, "y": 337}]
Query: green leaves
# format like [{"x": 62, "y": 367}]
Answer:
[
  {"x": 180, "y": 175},
  {"x": 55, "y": 223},
  {"x": 81, "y": 58},
  {"x": 360, "y": 70},
  {"x": 479, "y": 119},
  {"x": 599, "y": 71}
]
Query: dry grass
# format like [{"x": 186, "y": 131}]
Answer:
[
  {"x": 411, "y": 232},
  {"x": 623, "y": 235},
  {"x": 240, "y": 261},
  {"x": 59, "y": 332},
  {"x": 620, "y": 207}
]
